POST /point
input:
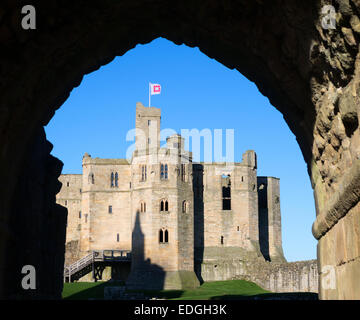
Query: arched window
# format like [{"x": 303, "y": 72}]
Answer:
[
  {"x": 164, "y": 205},
  {"x": 142, "y": 206},
  {"x": 112, "y": 180},
  {"x": 116, "y": 179},
  {"x": 222, "y": 240},
  {"x": 184, "y": 206},
  {"x": 161, "y": 236}
]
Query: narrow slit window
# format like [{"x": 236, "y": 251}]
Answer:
[
  {"x": 91, "y": 178},
  {"x": 116, "y": 180},
  {"x": 183, "y": 172},
  {"x": 112, "y": 180},
  {"x": 110, "y": 209},
  {"x": 184, "y": 206}
]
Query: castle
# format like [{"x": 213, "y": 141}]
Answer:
[{"x": 182, "y": 221}]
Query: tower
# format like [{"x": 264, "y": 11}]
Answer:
[
  {"x": 270, "y": 219},
  {"x": 162, "y": 209}
]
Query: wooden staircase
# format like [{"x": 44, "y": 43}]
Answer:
[{"x": 96, "y": 261}]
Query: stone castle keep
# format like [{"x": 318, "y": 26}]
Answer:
[{"x": 183, "y": 222}]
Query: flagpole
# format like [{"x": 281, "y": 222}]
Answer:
[{"x": 149, "y": 92}]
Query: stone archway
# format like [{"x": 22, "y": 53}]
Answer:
[{"x": 308, "y": 73}]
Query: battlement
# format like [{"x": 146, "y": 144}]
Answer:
[
  {"x": 142, "y": 111},
  {"x": 102, "y": 161}
]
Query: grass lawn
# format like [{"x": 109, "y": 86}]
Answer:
[{"x": 232, "y": 289}]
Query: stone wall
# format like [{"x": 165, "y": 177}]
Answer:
[
  {"x": 300, "y": 276},
  {"x": 36, "y": 228},
  {"x": 309, "y": 73},
  {"x": 70, "y": 197},
  {"x": 72, "y": 252}
]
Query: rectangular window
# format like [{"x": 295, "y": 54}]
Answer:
[
  {"x": 163, "y": 171},
  {"x": 79, "y": 214},
  {"x": 226, "y": 192},
  {"x": 117, "y": 237},
  {"x": 110, "y": 209},
  {"x": 143, "y": 173}
]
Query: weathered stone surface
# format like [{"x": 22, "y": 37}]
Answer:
[
  {"x": 296, "y": 63},
  {"x": 300, "y": 276}
]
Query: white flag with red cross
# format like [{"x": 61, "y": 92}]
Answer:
[{"x": 155, "y": 88}]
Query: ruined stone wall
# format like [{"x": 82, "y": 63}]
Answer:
[
  {"x": 300, "y": 276},
  {"x": 70, "y": 198},
  {"x": 270, "y": 218},
  {"x": 228, "y": 228},
  {"x": 72, "y": 252}
]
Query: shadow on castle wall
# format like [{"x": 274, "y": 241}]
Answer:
[
  {"x": 199, "y": 224},
  {"x": 263, "y": 221},
  {"x": 143, "y": 275}
]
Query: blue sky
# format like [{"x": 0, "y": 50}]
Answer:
[{"x": 197, "y": 92}]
